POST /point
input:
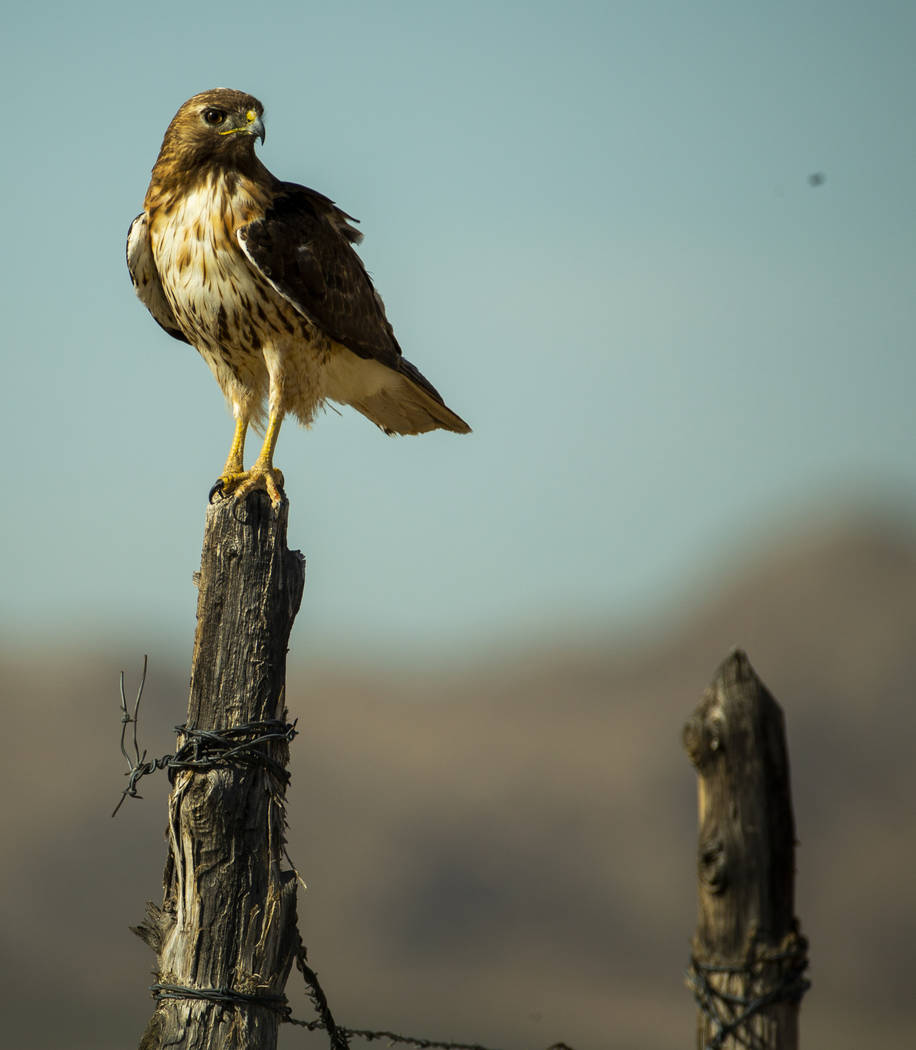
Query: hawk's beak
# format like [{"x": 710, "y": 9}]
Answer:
[
  {"x": 256, "y": 127},
  {"x": 253, "y": 126}
]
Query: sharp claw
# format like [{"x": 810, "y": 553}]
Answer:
[{"x": 239, "y": 485}]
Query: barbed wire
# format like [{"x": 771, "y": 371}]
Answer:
[
  {"x": 729, "y": 1012},
  {"x": 338, "y": 1039},
  {"x": 340, "y": 1036},
  {"x": 203, "y": 748},
  {"x": 405, "y": 1040},
  {"x": 220, "y": 995}
]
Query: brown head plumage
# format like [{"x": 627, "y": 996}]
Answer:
[{"x": 214, "y": 129}]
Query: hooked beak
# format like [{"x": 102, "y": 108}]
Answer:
[
  {"x": 256, "y": 127},
  {"x": 253, "y": 126}
]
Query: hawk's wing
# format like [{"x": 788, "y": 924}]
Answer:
[
  {"x": 303, "y": 248},
  {"x": 145, "y": 276}
]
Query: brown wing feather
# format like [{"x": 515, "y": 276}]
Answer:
[{"x": 302, "y": 246}]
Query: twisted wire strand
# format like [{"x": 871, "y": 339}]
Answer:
[
  {"x": 203, "y": 748},
  {"x": 729, "y": 1012}
]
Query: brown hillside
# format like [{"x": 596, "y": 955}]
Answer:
[{"x": 503, "y": 854}]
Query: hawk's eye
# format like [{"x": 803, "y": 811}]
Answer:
[{"x": 214, "y": 116}]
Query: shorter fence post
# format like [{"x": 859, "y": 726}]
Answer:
[{"x": 747, "y": 969}]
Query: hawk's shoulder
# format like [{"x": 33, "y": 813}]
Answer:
[
  {"x": 297, "y": 200},
  {"x": 303, "y": 246}
]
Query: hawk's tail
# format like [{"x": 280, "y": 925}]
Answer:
[{"x": 400, "y": 402}]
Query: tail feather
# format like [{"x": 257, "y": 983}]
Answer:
[{"x": 399, "y": 402}]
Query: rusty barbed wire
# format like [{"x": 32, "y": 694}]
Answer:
[{"x": 338, "y": 1039}]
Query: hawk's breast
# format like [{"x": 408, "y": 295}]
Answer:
[
  {"x": 227, "y": 310},
  {"x": 216, "y": 298}
]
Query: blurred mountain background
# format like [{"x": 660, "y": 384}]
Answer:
[{"x": 502, "y": 850}]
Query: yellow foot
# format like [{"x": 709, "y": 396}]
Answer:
[{"x": 259, "y": 477}]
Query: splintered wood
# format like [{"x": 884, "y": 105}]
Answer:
[{"x": 227, "y": 924}]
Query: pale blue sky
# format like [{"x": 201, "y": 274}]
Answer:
[{"x": 592, "y": 227}]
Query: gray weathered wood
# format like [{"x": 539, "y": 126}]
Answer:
[
  {"x": 228, "y": 917},
  {"x": 747, "y": 942}
]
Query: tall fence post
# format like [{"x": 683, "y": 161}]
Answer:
[
  {"x": 225, "y": 935},
  {"x": 747, "y": 969}
]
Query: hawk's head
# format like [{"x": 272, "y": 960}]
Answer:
[{"x": 215, "y": 127}]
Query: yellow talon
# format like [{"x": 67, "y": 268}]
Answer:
[{"x": 261, "y": 476}]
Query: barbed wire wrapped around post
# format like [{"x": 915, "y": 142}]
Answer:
[
  {"x": 339, "y": 1036},
  {"x": 771, "y": 976},
  {"x": 203, "y": 748}
]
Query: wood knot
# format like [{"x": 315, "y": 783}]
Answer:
[
  {"x": 712, "y": 864},
  {"x": 702, "y": 737}
]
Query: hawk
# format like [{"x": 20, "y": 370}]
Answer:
[{"x": 261, "y": 276}]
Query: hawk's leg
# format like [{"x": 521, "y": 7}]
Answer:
[
  {"x": 235, "y": 464},
  {"x": 235, "y": 481}
]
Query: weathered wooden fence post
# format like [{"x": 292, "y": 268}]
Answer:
[
  {"x": 225, "y": 935},
  {"x": 748, "y": 955}
]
